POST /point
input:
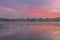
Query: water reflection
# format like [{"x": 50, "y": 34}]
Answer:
[{"x": 30, "y": 31}]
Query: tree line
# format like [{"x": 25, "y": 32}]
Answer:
[{"x": 57, "y": 19}]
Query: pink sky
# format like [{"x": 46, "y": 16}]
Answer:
[{"x": 29, "y": 8}]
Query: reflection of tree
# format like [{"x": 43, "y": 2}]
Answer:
[{"x": 1, "y": 27}]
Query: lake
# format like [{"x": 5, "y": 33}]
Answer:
[{"x": 29, "y": 30}]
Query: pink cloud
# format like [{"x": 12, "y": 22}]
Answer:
[
  {"x": 5, "y": 9},
  {"x": 34, "y": 11}
]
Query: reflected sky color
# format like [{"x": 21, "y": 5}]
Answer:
[
  {"x": 29, "y": 8},
  {"x": 20, "y": 31}
]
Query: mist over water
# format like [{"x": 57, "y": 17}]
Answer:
[{"x": 29, "y": 30}]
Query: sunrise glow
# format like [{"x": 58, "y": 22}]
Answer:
[{"x": 29, "y": 8}]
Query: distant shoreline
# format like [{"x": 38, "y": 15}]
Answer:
[{"x": 57, "y": 19}]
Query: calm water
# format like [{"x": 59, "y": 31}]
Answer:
[{"x": 29, "y": 30}]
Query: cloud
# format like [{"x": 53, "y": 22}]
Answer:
[
  {"x": 30, "y": 8},
  {"x": 5, "y": 9},
  {"x": 54, "y": 7}
]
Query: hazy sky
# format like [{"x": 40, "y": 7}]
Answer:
[{"x": 29, "y": 8}]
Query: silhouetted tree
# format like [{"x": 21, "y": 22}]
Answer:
[{"x": 41, "y": 19}]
